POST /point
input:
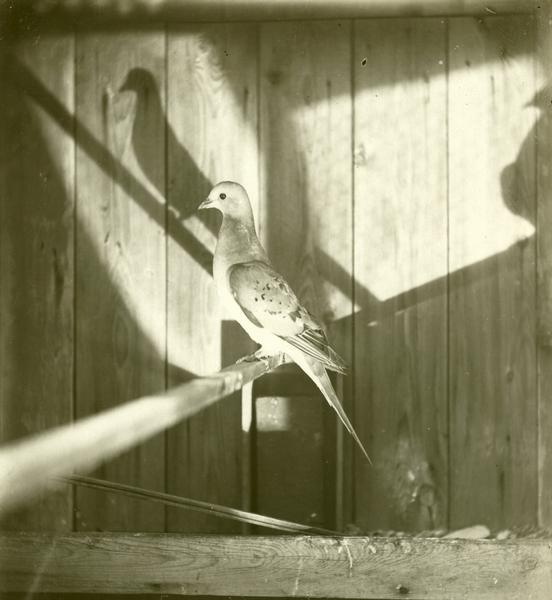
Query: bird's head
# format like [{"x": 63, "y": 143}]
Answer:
[
  {"x": 542, "y": 99},
  {"x": 230, "y": 198},
  {"x": 138, "y": 80}
]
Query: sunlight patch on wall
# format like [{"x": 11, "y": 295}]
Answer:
[
  {"x": 491, "y": 159},
  {"x": 402, "y": 166}
]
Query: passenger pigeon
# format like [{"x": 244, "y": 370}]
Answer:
[{"x": 261, "y": 300}]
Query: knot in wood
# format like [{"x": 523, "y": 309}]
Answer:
[{"x": 402, "y": 589}]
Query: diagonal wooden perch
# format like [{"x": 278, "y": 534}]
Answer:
[{"x": 28, "y": 466}]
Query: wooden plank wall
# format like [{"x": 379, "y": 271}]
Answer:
[
  {"x": 212, "y": 108},
  {"x": 305, "y": 109},
  {"x": 120, "y": 260},
  {"x": 37, "y": 257},
  {"x": 543, "y": 213},
  {"x": 400, "y": 347},
  {"x": 492, "y": 373},
  {"x": 397, "y": 183}
]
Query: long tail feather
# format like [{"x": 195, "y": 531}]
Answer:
[
  {"x": 315, "y": 344},
  {"x": 317, "y": 373}
]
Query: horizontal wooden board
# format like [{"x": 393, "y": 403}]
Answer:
[
  {"x": 98, "y": 11},
  {"x": 351, "y": 567}
]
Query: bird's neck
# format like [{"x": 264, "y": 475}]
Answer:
[
  {"x": 237, "y": 240},
  {"x": 148, "y": 103}
]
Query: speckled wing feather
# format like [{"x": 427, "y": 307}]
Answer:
[{"x": 267, "y": 300}]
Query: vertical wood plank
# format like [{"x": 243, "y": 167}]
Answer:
[
  {"x": 120, "y": 304},
  {"x": 543, "y": 128},
  {"x": 36, "y": 258},
  {"x": 400, "y": 219},
  {"x": 492, "y": 303},
  {"x": 307, "y": 203},
  {"x": 212, "y": 107}
]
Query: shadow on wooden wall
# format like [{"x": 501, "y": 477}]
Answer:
[{"x": 442, "y": 370}]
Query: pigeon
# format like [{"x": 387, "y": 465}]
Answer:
[{"x": 261, "y": 300}]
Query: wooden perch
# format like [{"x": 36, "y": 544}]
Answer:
[{"x": 28, "y": 465}]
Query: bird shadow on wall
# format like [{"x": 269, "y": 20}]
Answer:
[{"x": 186, "y": 192}]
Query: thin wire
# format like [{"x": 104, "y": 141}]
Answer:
[{"x": 216, "y": 510}]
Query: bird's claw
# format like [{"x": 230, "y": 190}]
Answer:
[
  {"x": 246, "y": 359},
  {"x": 256, "y": 356},
  {"x": 265, "y": 360}
]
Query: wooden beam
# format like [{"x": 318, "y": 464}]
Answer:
[
  {"x": 269, "y": 10},
  {"x": 316, "y": 567},
  {"x": 28, "y": 465}
]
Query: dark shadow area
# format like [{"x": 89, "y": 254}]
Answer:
[
  {"x": 59, "y": 596},
  {"x": 35, "y": 293},
  {"x": 63, "y": 14},
  {"x": 150, "y": 112},
  {"x": 39, "y": 290},
  {"x": 517, "y": 179}
]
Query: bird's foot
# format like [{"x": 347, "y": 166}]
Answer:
[
  {"x": 265, "y": 360},
  {"x": 264, "y": 356},
  {"x": 261, "y": 355},
  {"x": 248, "y": 358}
]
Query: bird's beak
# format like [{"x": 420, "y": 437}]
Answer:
[{"x": 205, "y": 204}]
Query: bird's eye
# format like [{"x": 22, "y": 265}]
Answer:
[{"x": 222, "y": 196}]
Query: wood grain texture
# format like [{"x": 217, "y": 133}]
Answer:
[
  {"x": 212, "y": 113},
  {"x": 493, "y": 409},
  {"x": 36, "y": 259},
  {"x": 120, "y": 303},
  {"x": 543, "y": 131},
  {"x": 306, "y": 213},
  {"x": 400, "y": 239},
  {"x": 313, "y": 567}
]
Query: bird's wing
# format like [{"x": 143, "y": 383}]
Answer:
[{"x": 267, "y": 300}]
